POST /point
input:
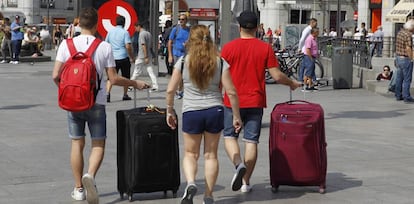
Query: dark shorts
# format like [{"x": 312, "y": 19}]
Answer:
[
  {"x": 206, "y": 120},
  {"x": 125, "y": 66}
]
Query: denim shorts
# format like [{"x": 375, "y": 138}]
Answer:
[
  {"x": 252, "y": 123},
  {"x": 309, "y": 66},
  {"x": 96, "y": 119},
  {"x": 206, "y": 120}
]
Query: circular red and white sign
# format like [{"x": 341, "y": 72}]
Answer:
[{"x": 108, "y": 12}]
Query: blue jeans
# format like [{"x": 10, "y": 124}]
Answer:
[
  {"x": 379, "y": 49},
  {"x": 404, "y": 77},
  {"x": 17, "y": 46}
]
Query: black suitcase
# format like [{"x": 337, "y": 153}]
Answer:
[{"x": 147, "y": 152}]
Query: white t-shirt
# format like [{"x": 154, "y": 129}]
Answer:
[
  {"x": 103, "y": 58},
  {"x": 305, "y": 33}
]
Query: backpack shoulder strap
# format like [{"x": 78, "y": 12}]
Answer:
[
  {"x": 93, "y": 47},
  {"x": 71, "y": 46}
]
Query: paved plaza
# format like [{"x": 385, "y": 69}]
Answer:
[{"x": 370, "y": 147}]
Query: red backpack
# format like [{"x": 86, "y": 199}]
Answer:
[{"x": 77, "y": 86}]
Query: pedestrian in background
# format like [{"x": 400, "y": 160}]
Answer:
[
  {"x": 203, "y": 73},
  {"x": 120, "y": 41},
  {"x": 16, "y": 39},
  {"x": 165, "y": 39},
  {"x": 6, "y": 45},
  {"x": 145, "y": 55},
  {"x": 378, "y": 40},
  {"x": 305, "y": 33},
  {"x": 57, "y": 36},
  {"x": 176, "y": 45},
  {"x": 249, "y": 58},
  {"x": 404, "y": 62},
  {"x": 94, "y": 117},
  {"x": 311, "y": 53}
]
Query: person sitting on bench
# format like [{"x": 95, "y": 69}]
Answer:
[{"x": 30, "y": 42}]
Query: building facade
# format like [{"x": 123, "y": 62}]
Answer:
[
  {"x": 39, "y": 11},
  {"x": 284, "y": 12}
]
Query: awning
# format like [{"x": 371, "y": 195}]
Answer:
[{"x": 399, "y": 13}]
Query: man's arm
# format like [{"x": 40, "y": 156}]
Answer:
[
  {"x": 57, "y": 69},
  {"x": 118, "y": 80},
  {"x": 170, "y": 44},
  {"x": 408, "y": 47},
  {"x": 281, "y": 78},
  {"x": 130, "y": 51},
  {"x": 146, "y": 56}
]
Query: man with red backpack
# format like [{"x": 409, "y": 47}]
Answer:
[{"x": 95, "y": 117}]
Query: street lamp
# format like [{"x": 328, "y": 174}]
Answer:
[{"x": 48, "y": 15}]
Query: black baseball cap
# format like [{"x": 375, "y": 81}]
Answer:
[{"x": 247, "y": 19}]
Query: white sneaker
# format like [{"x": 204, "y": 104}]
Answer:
[
  {"x": 11, "y": 62},
  {"x": 78, "y": 194},
  {"x": 15, "y": 62},
  {"x": 236, "y": 182},
  {"x": 246, "y": 188},
  {"x": 91, "y": 192},
  {"x": 154, "y": 89},
  {"x": 3, "y": 61}
]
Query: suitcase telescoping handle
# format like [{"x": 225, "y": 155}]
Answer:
[
  {"x": 135, "y": 97},
  {"x": 291, "y": 97}
]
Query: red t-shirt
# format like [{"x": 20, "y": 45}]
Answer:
[{"x": 248, "y": 59}]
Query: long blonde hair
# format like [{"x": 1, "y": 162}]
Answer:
[{"x": 202, "y": 63}]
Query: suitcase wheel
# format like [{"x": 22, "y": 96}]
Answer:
[
  {"x": 275, "y": 189},
  {"x": 130, "y": 196},
  {"x": 322, "y": 189},
  {"x": 175, "y": 194}
]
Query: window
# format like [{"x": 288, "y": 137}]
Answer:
[
  {"x": 70, "y": 5},
  {"x": 12, "y": 3},
  {"x": 43, "y": 3},
  {"x": 295, "y": 17}
]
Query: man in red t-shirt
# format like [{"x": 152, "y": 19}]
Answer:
[{"x": 248, "y": 58}]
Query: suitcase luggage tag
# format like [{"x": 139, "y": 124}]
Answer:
[{"x": 150, "y": 107}]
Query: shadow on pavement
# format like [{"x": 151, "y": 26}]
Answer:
[
  {"x": 366, "y": 114},
  {"x": 19, "y": 107},
  {"x": 336, "y": 181}
]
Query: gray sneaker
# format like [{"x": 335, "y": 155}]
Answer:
[
  {"x": 208, "y": 200},
  {"x": 236, "y": 182},
  {"x": 189, "y": 194},
  {"x": 91, "y": 192}
]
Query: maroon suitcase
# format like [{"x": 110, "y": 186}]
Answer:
[{"x": 297, "y": 145}]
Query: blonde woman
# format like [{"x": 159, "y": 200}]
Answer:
[{"x": 203, "y": 74}]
